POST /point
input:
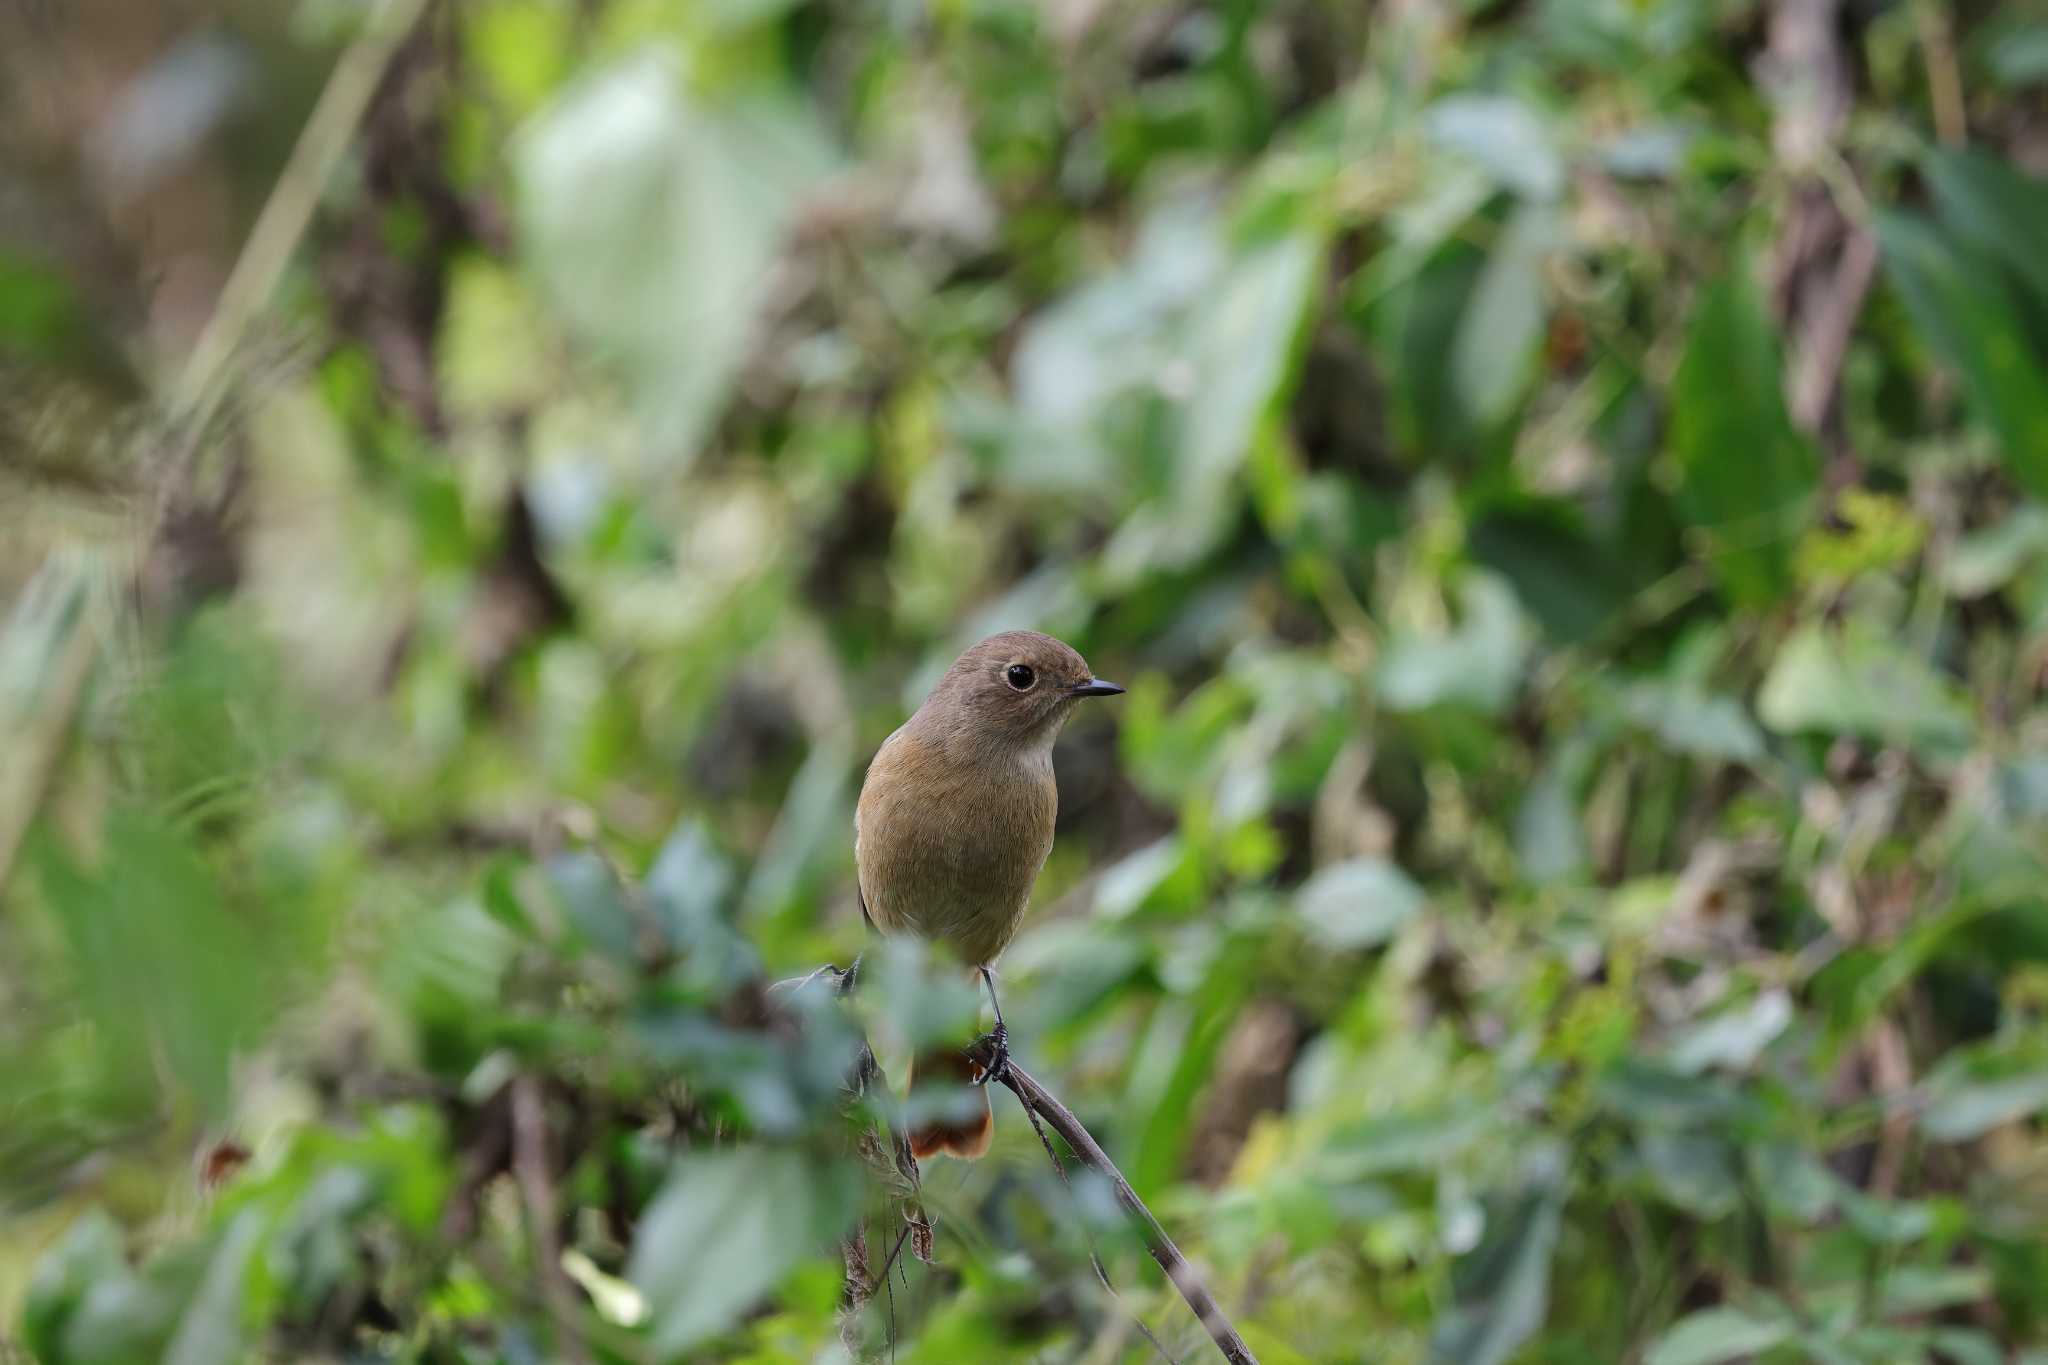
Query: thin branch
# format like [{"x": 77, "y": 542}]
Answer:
[
  {"x": 289, "y": 208},
  {"x": 1817, "y": 378},
  {"x": 537, "y": 1191},
  {"x": 36, "y": 745},
  {"x": 1060, "y": 1168},
  {"x": 1039, "y": 1102}
]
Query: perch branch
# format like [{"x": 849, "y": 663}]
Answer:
[{"x": 1039, "y": 1102}]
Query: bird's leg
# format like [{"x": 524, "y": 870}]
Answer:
[{"x": 998, "y": 1038}]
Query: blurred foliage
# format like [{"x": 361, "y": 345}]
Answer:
[{"x": 1563, "y": 483}]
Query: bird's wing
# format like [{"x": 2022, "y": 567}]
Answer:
[{"x": 859, "y": 892}]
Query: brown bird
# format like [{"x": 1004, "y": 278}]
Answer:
[{"x": 955, "y": 819}]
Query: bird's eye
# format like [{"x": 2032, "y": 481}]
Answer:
[{"x": 1021, "y": 677}]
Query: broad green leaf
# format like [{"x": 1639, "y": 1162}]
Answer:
[
  {"x": 1855, "y": 681},
  {"x": 1563, "y": 576},
  {"x": 1747, "y": 477},
  {"x": 1478, "y": 663},
  {"x": 1550, "y": 839},
  {"x": 1501, "y": 334},
  {"x": 1987, "y": 203},
  {"x": 2018, "y": 57},
  {"x": 1161, "y": 1099},
  {"x": 653, "y": 219},
  {"x": 42, "y": 316},
  {"x": 1689, "y": 720},
  {"x": 89, "y": 1255},
  {"x": 1793, "y": 1181},
  {"x": 1975, "y": 1090},
  {"x": 172, "y": 976},
  {"x": 814, "y": 819},
  {"x": 1505, "y": 136},
  {"x": 1652, "y": 1094},
  {"x": 1129, "y": 884},
  {"x": 1985, "y": 561},
  {"x": 726, "y": 1229},
  {"x": 211, "y": 1329},
  {"x": 1973, "y": 323},
  {"x": 1733, "y": 1038},
  {"x": 690, "y": 886},
  {"x": 492, "y": 353},
  {"x": 1715, "y": 1335},
  {"x": 1888, "y": 1222},
  {"x": 1234, "y": 358},
  {"x": 1693, "y": 1171},
  {"x": 1401, "y": 1142},
  {"x": 1502, "y": 1289},
  {"x": 1967, "y": 1346},
  {"x": 1359, "y": 903},
  {"x": 590, "y": 895},
  {"x": 1928, "y": 1289}
]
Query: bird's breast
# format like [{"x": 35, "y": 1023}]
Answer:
[{"x": 949, "y": 849}]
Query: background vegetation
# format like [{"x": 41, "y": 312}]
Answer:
[{"x": 1562, "y": 480}]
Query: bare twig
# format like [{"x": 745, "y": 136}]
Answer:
[
  {"x": 289, "y": 208},
  {"x": 36, "y": 745},
  {"x": 1060, "y": 1168},
  {"x": 1039, "y": 1102},
  {"x": 537, "y": 1192},
  {"x": 1824, "y": 340},
  {"x": 1944, "y": 75}
]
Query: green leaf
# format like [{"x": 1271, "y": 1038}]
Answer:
[
  {"x": 726, "y": 1229},
  {"x": 1359, "y": 903},
  {"x": 1688, "y": 720},
  {"x": 1693, "y": 1171},
  {"x": 1235, "y": 357},
  {"x": 1967, "y": 1346},
  {"x": 1928, "y": 1289},
  {"x": 2018, "y": 57},
  {"x": 691, "y": 881},
  {"x": 1733, "y": 1038},
  {"x": 90, "y": 1254},
  {"x": 1566, "y": 579},
  {"x": 1550, "y": 839},
  {"x": 1476, "y": 664},
  {"x": 1972, "y": 322},
  {"x": 1501, "y": 332},
  {"x": 653, "y": 220},
  {"x": 1858, "y": 682},
  {"x": 210, "y": 1330},
  {"x": 1502, "y": 1288},
  {"x": 595, "y": 903},
  {"x": 1505, "y": 136},
  {"x": 41, "y": 315},
  {"x": 1714, "y": 1335},
  {"x": 1973, "y": 1091},
  {"x": 1401, "y": 1142},
  {"x": 1985, "y": 561},
  {"x": 1988, "y": 204},
  {"x": 1747, "y": 477},
  {"x": 172, "y": 976}
]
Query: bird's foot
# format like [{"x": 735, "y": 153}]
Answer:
[{"x": 995, "y": 1046}]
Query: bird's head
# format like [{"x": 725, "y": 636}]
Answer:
[{"x": 1015, "y": 688}]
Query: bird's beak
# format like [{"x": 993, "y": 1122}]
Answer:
[{"x": 1094, "y": 687}]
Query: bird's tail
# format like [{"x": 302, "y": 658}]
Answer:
[{"x": 963, "y": 1124}]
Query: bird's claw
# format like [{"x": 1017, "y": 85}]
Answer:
[{"x": 996, "y": 1045}]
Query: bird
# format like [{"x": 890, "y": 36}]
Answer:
[{"x": 954, "y": 821}]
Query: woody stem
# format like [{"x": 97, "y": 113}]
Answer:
[{"x": 1039, "y": 1101}]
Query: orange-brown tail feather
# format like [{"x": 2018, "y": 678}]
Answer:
[{"x": 965, "y": 1135}]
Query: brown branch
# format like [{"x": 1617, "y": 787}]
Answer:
[
  {"x": 530, "y": 1167},
  {"x": 1039, "y": 1102}
]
